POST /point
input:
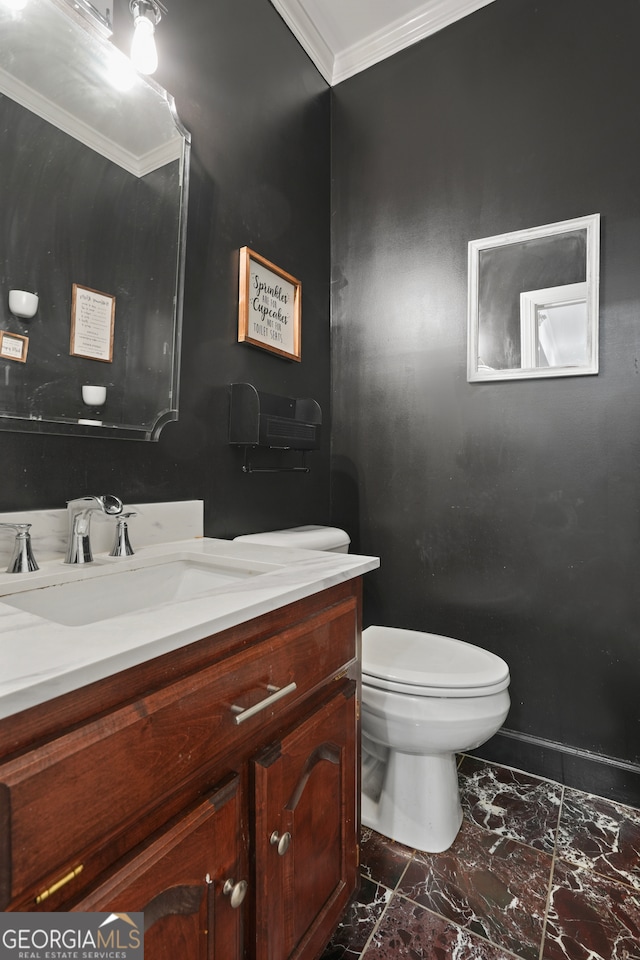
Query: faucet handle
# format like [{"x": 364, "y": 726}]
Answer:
[
  {"x": 111, "y": 505},
  {"x": 108, "y": 503},
  {"x": 22, "y": 559},
  {"x": 121, "y": 546}
]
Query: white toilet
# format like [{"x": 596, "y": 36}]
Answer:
[{"x": 425, "y": 698}]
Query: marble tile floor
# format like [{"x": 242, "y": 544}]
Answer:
[{"x": 538, "y": 872}]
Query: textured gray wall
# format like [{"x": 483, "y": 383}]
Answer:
[
  {"x": 506, "y": 514},
  {"x": 258, "y": 114}
]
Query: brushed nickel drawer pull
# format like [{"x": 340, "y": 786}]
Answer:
[
  {"x": 236, "y": 891},
  {"x": 275, "y": 693}
]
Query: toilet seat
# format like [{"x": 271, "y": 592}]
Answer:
[
  {"x": 429, "y": 665},
  {"x": 310, "y": 537}
]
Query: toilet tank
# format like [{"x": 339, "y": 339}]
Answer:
[{"x": 311, "y": 537}]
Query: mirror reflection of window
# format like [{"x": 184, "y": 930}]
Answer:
[
  {"x": 553, "y": 326},
  {"x": 505, "y": 271},
  {"x": 562, "y": 333},
  {"x": 533, "y": 302}
]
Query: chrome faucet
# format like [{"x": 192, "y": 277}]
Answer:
[
  {"x": 22, "y": 558},
  {"x": 80, "y": 510}
]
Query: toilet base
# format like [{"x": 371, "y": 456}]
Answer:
[{"x": 419, "y": 804}]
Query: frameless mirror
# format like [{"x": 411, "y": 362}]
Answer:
[
  {"x": 533, "y": 302},
  {"x": 93, "y": 220}
]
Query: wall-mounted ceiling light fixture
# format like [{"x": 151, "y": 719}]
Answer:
[{"x": 146, "y": 16}]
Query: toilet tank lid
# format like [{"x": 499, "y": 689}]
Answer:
[
  {"x": 310, "y": 537},
  {"x": 429, "y": 660}
]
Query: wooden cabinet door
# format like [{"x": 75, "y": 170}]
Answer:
[
  {"x": 181, "y": 882},
  {"x": 305, "y": 843}
]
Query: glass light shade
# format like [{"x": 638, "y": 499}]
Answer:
[
  {"x": 143, "y": 46},
  {"x": 121, "y": 73}
]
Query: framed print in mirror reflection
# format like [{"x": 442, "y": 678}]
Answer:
[
  {"x": 92, "y": 322},
  {"x": 533, "y": 302},
  {"x": 13, "y": 346}
]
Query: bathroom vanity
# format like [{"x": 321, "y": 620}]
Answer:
[{"x": 208, "y": 773}]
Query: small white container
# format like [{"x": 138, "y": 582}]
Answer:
[
  {"x": 23, "y": 304},
  {"x": 94, "y": 396}
]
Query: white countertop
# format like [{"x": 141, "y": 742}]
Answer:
[{"x": 41, "y": 659}]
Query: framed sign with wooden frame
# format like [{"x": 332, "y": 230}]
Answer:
[
  {"x": 92, "y": 321},
  {"x": 13, "y": 346},
  {"x": 270, "y": 302}
]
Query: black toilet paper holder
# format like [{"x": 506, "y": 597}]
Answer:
[{"x": 266, "y": 420}]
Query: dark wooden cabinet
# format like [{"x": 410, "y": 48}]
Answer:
[
  {"x": 215, "y": 789},
  {"x": 184, "y": 881},
  {"x": 306, "y": 831}
]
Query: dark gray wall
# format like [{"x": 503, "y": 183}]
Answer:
[
  {"x": 506, "y": 514},
  {"x": 258, "y": 113}
]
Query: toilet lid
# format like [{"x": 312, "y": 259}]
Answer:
[
  {"x": 395, "y": 659},
  {"x": 310, "y": 537}
]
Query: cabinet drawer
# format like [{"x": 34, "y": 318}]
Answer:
[{"x": 76, "y": 793}]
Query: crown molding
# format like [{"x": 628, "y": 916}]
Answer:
[
  {"x": 400, "y": 34},
  {"x": 308, "y": 35},
  {"x": 137, "y": 164},
  {"x": 335, "y": 66}
]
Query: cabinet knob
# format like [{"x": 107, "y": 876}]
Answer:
[
  {"x": 281, "y": 842},
  {"x": 236, "y": 891}
]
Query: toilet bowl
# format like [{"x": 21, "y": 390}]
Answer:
[{"x": 425, "y": 698}]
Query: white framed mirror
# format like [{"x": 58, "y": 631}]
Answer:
[{"x": 533, "y": 302}]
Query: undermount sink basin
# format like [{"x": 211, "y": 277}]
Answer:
[{"x": 112, "y": 594}]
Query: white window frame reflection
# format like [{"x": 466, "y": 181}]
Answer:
[
  {"x": 553, "y": 327},
  {"x": 531, "y": 304}
]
